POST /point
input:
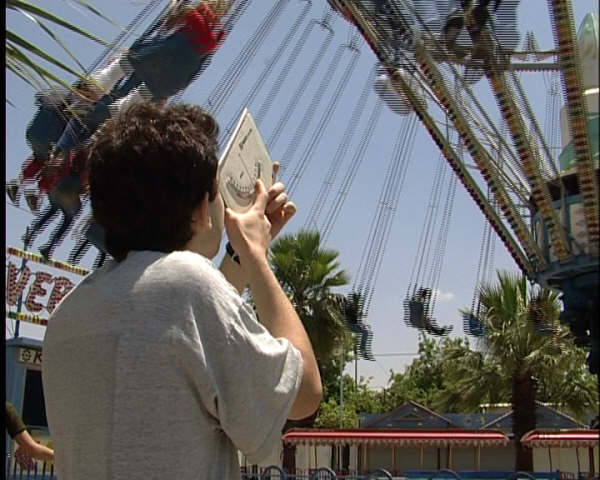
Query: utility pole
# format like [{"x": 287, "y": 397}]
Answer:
[
  {"x": 342, "y": 387},
  {"x": 20, "y": 301},
  {"x": 355, "y": 367},
  {"x": 340, "y": 447}
]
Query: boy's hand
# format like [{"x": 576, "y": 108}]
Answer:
[
  {"x": 279, "y": 208},
  {"x": 250, "y": 232}
]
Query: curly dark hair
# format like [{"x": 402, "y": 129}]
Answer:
[{"x": 149, "y": 168}]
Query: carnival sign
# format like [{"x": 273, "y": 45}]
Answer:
[{"x": 36, "y": 290}]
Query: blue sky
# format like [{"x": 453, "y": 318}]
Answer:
[{"x": 349, "y": 234}]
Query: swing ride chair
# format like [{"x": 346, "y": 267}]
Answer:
[{"x": 538, "y": 196}]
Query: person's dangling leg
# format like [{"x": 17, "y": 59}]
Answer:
[
  {"x": 78, "y": 131},
  {"x": 99, "y": 260},
  {"x": 95, "y": 235},
  {"x": 404, "y": 25},
  {"x": 109, "y": 76},
  {"x": 455, "y": 21},
  {"x": 396, "y": 20},
  {"x": 29, "y": 172},
  {"x": 80, "y": 249},
  {"x": 53, "y": 171},
  {"x": 31, "y": 169},
  {"x": 13, "y": 191},
  {"x": 428, "y": 20},
  {"x": 43, "y": 131},
  {"x": 132, "y": 82},
  {"x": 59, "y": 233},
  {"x": 481, "y": 15},
  {"x": 39, "y": 224},
  {"x": 137, "y": 95},
  {"x": 66, "y": 197}
]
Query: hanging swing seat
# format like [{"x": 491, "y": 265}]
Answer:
[
  {"x": 415, "y": 313},
  {"x": 366, "y": 341},
  {"x": 473, "y": 325},
  {"x": 433, "y": 328},
  {"x": 416, "y": 310}
]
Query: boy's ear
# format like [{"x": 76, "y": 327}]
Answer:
[{"x": 200, "y": 218}]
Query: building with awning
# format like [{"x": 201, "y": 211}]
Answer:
[
  {"x": 404, "y": 449},
  {"x": 561, "y": 438},
  {"x": 398, "y": 438},
  {"x": 414, "y": 438},
  {"x": 568, "y": 450}
]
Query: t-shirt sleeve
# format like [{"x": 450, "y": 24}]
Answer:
[
  {"x": 14, "y": 423},
  {"x": 254, "y": 377},
  {"x": 264, "y": 377}
]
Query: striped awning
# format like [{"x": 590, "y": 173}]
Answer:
[
  {"x": 398, "y": 438},
  {"x": 561, "y": 438}
]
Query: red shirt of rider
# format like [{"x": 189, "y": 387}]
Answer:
[{"x": 203, "y": 30}]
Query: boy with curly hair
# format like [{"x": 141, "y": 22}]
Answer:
[{"x": 154, "y": 365}]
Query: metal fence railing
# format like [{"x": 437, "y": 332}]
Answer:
[
  {"x": 39, "y": 471},
  {"x": 44, "y": 471},
  {"x": 276, "y": 473}
]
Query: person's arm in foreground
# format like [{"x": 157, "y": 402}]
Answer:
[
  {"x": 28, "y": 447},
  {"x": 250, "y": 236}
]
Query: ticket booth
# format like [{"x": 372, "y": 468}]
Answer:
[
  {"x": 24, "y": 387},
  {"x": 35, "y": 286}
]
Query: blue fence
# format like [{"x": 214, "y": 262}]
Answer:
[
  {"x": 40, "y": 470},
  {"x": 43, "y": 471},
  {"x": 482, "y": 475},
  {"x": 276, "y": 473}
]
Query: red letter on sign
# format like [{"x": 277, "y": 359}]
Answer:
[
  {"x": 62, "y": 286},
  {"x": 15, "y": 289},
  {"x": 35, "y": 290}
]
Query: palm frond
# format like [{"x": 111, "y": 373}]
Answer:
[
  {"x": 309, "y": 272},
  {"x": 20, "y": 51},
  {"x": 40, "y": 12},
  {"x": 23, "y": 73},
  {"x": 30, "y": 47},
  {"x": 97, "y": 12},
  {"x": 55, "y": 38},
  {"x": 20, "y": 57}
]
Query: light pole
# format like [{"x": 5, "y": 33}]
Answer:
[
  {"x": 340, "y": 447},
  {"x": 20, "y": 301}
]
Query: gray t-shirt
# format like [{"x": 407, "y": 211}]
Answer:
[{"x": 156, "y": 368}]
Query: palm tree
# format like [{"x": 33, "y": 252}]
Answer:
[
  {"x": 308, "y": 273},
  {"x": 527, "y": 355},
  {"x": 19, "y": 49}
]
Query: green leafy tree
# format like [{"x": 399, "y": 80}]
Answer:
[
  {"x": 332, "y": 368},
  {"x": 358, "y": 399},
  {"x": 526, "y": 356},
  {"x": 423, "y": 379}
]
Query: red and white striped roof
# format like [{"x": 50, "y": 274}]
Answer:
[
  {"x": 561, "y": 438},
  {"x": 398, "y": 438}
]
